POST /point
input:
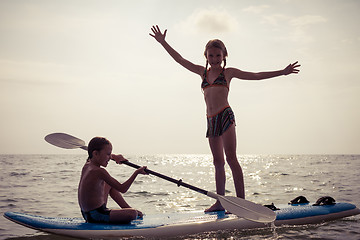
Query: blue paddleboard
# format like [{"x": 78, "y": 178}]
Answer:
[{"x": 176, "y": 224}]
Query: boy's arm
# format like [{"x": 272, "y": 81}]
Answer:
[
  {"x": 291, "y": 68},
  {"x": 126, "y": 185},
  {"x": 160, "y": 37},
  {"x": 112, "y": 182}
]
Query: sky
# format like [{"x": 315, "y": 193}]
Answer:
[{"x": 89, "y": 68}]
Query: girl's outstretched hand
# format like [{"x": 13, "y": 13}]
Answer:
[
  {"x": 292, "y": 68},
  {"x": 160, "y": 37}
]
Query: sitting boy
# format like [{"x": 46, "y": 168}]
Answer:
[{"x": 96, "y": 184}]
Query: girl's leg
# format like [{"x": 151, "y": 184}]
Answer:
[
  {"x": 229, "y": 142},
  {"x": 216, "y": 147}
]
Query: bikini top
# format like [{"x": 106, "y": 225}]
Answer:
[{"x": 220, "y": 81}]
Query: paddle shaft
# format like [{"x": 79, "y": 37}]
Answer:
[{"x": 178, "y": 182}]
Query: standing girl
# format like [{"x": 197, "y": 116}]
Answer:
[{"x": 220, "y": 118}]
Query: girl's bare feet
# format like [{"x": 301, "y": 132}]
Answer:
[{"x": 215, "y": 208}]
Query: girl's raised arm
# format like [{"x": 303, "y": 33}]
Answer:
[
  {"x": 291, "y": 68},
  {"x": 160, "y": 37}
]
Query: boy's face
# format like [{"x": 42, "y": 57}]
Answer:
[{"x": 105, "y": 155}]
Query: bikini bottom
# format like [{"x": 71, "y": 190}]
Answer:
[{"x": 218, "y": 124}]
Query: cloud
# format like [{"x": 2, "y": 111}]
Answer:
[
  {"x": 278, "y": 18},
  {"x": 32, "y": 73},
  {"x": 256, "y": 9},
  {"x": 300, "y": 26},
  {"x": 275, "y": 19},
  {"x": 307, "y": 20},
  {"x": 209, "y": 21}
]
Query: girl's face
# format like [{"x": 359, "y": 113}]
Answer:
[
  {"x": 215, "y": 56},
  {"x": 104, "y": 155}
]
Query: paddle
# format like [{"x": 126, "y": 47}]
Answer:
[{"x": 238, "y": 206}]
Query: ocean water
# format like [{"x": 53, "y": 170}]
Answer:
[{"x": 47, "y": 185}]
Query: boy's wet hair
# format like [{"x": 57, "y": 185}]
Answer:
[
  {"x": 216, "y": 43},
  {"x": 97, "y": 144}
]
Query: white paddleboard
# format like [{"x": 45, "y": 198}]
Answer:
[{"x": 176, "y": 224}]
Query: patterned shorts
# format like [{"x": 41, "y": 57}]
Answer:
[{"x": 218, "y": 124}]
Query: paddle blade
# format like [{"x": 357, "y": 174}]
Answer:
[
  {"x": 64, "y": 140},
  {"x": 245, "y": 209},
  {"x": 248, "y": 210}
]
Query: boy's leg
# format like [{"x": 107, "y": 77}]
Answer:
[
  {"x": 123, "y": 215},
  {"x": 118, "y": 198}
]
